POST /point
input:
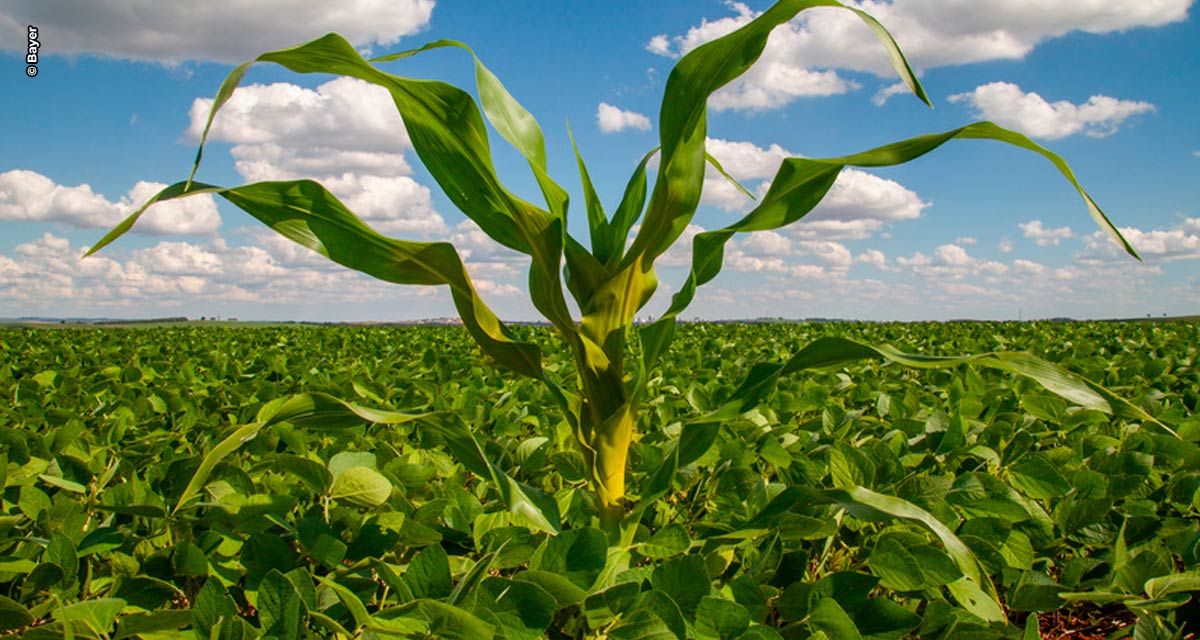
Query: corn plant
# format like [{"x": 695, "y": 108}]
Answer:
[{"x": 610, "y": 276}]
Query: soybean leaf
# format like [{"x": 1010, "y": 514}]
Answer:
[{"x": 361, "y": 486}]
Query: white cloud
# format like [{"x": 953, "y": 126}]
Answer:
[
  {"x": 803, "y": 56},
  {"x": 965, "y": 240},
  {"x": 660, "y": 45},
  {"x": 1179, "y": 243},
  {"x": 858, "y": 205},
  {"x": 774, "y": 81},
  {"x": 28, "y": 195},
  {"x": 952, "y": 263},
  {"x": 679, "y": 254},
  {"x": 1009, "y": 106},
  {"x": 1005, "y": 246},
  {"x": 47, "y": 276},
  {"x": 766, "y": 243},
  {"x": 611, "y": 119},
  {"x": 1042, "y": 236},
  {"x": 1028, "y": 266},
  {"x": 953, "y": 255},
  {"x": 833, "y": 254},
  {"x": 346, "y": 134},
  {"x": 887, "y": 93},
  {"x": 217, "y": 30},
  {"x": 873, "y": 257}
]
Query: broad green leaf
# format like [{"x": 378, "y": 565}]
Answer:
[
  {"x": 896, "y": 567},
  {"x": 829, "y": 617},
  {"x": 352, "y": 602},
  {"x": 189, "y": 560},
  {"x": 685, "y": 579},
  {"x": 564, "y": 591},
  {"x": 1038, "y": 478},
  {"x": 428, "y": 574},
  {"x": 720, "y": 618},
  {"x": 881, "y": 619},
  {"x": 1163, "y": 586},
  {"x": 99, "y": 615},
  {"x": 606, "y": 605},
  {"x": 665, "y": 609},
  {"x": 13, "y": 615},
  {"x": 212, "y": 609},
  {"x": 312, "y": 473},
  {"x": 279, "y": 606},
  {"x": 641, "y": 624},
  {"x": 671, "y": 540},
  {"x": 345, "y": 460},
  {"x": 579, "y": 555},
  {"x": 521, "y": 609},
  {"x": 145, "y": 625},
  {"x": 453, "y": 623},
  {"x": 101, "y": 540},
  {"x": 361, "y": 486},
  {"x": 474, "y": 576},
  {"x": 1031, "y": 632},
  {"x": 60, "y": 552},
  {"x": 1034, "y": 591}
]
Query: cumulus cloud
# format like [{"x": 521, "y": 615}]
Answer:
[
  {"x": 216, "y": 30},
  {"x": 873, "y": 257},
  {"x": 858, "y": 205},
  {"x": 28, "y": 195},
  {"x": 346, "y": 134},
  {"x": 1045, "y": 237},
  {"x": 1028, "y": 266},
  {"x": 46, "y": 276},
  {"x": 1181, "y": 242},
  {"x": 887, "y": 93},
  {"x": 803, "y": 57},
  {"x": 612, "y": 119},
  {"x": 660, "y": 45},
  {"x": 951, "y": 262},
  {"x": 1009, "y": 106},
  {"x": 1005, "y": 246},
  {"x": 767, "y": 243}
]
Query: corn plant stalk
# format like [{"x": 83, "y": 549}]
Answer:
[{"x": 609, "y": 281}]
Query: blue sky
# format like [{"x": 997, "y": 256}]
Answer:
[{"x": 976, "y": 230}]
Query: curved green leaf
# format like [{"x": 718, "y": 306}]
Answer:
[
  {"x": 829, "y": 352},
  {"x": 682, "y": 119},
  {"x": 799, "y": 186},
  {"x": 974, "y": 590},
  {"x": 306, "y": 213}
]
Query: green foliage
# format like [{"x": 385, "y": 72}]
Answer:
[
  {"x": 609, "y": 283},
  {"x": 1063, "y": 510},
  {"x": 415, "y": 494}
]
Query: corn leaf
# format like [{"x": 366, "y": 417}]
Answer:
[
  {"x": 799, "y": 186},
  {"x": 306, "y": 213}
]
